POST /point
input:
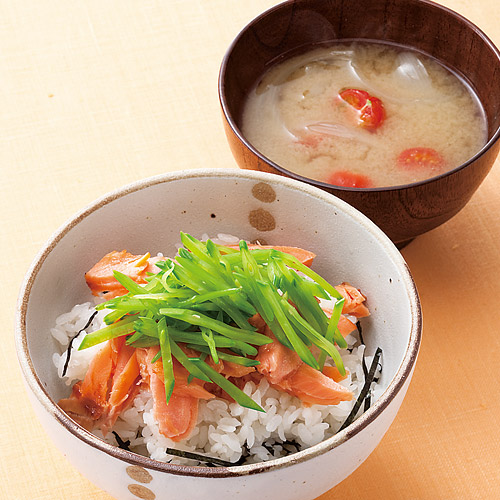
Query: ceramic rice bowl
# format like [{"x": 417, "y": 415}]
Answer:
[{"x": 148, "y": 216}]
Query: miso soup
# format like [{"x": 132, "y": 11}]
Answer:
[{"x": 364, "y": 115}]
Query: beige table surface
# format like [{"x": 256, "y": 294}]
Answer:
[{"x": 95, "y": 94}]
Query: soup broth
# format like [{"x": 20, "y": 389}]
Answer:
[{"x": 364, "y": 115}]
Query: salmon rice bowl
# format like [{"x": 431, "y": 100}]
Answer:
[{"x": 228, "y": 353}]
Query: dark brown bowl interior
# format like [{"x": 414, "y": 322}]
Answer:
[{"x": 403, "y": 212}]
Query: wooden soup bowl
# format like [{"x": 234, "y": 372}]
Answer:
[{"x": 405, "y": 211}]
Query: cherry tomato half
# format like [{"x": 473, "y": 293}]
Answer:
[
  {"x": 420, "y": 158},
  {"x": 349, "y": 179},
  {"x": 371, "y": 110}
]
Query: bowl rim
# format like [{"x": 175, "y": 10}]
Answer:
[
  {"x": 396, "y": 384},
  {"x": 324, "y": 185}
]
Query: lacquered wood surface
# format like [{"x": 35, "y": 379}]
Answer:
[{"x": 97, "y": 94}]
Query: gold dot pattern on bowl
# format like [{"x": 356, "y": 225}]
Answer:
[
  {"x": 141, "y": 492},
  {"x": 264, "y": 192},
  {"x": 262, "y": 220},
  {"x": 139, "y": 474}
]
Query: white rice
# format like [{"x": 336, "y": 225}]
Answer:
[
  {"x": 67, "y": 326},
  {"x": 224, "y": 430}
]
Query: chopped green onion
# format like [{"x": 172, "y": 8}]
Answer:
[
  {"x": 136, "y": 336},
  {"x": 209, "y": 296},
  {"x": 239, "y": 360},
  {"x": 220, "y": 341},
  {"x": 122, "y": 327},
  {"x": 204, "y": 299},
  {"x": 324, "y": 344},
  {"x": 208, "y": 337},
  {"x": 237, "y": 394},
  {"x": 186, "y": 362},
  {"x": 114, "y": 316},
  {"x": 196, "y": 318},
  {"x": 332, "y": 333},
  {"x": 128, "y": 282},
  {"x": 298, "y": 345},
  {"x": 238, "y": 310},
  {"x": 295, "y": 263},
  {"x": 166, "y": 357},
  {"x": 143, "y": 342}
]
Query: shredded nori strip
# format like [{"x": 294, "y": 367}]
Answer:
[
  {"x": 68, "y": 351},
  {"x": 360, "y": 332},
  {"x": 368, "y": 399},
  {"x": 364, "y": 391},
  {"x": 200, "y": 458},
  {"x": 245, "y": 453},
  {"x": 124, "y": 445},
  {"x": 291, "y": 446},
  {"x": 269, "y": 448},
  {"x": 242, "y": 459}
]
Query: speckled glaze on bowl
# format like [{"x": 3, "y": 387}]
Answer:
[
  {"x": 147, "y": 216},
  {"x": 405, "y": 211}
]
